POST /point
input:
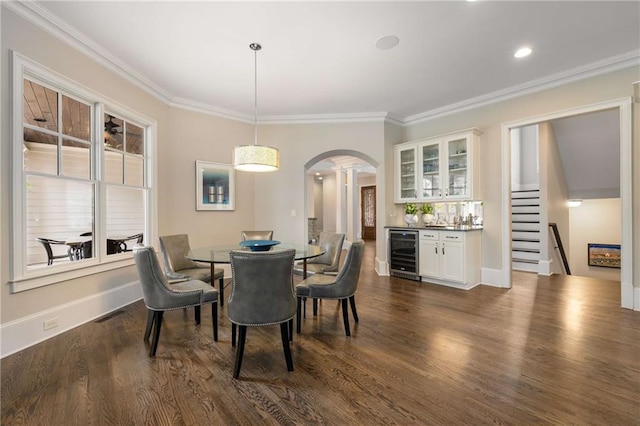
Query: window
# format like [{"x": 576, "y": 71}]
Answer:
[{"x": 81, "y": 190}]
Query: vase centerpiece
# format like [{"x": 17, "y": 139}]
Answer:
[{"x": 410, "y": 214}]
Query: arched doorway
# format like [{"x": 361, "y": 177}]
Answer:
[{"x": 333, "y": 197}]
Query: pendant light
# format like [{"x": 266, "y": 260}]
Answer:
[{"x": 256, "y": 158}]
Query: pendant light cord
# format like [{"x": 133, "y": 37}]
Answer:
[{"x": 255, "y": 47}]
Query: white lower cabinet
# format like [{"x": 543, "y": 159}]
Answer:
[{"x": 450, "y": 257}]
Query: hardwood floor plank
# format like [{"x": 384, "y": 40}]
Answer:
[{"x": 550, "y": 350}]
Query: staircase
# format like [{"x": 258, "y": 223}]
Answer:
[{"x": 525, "y": 230}]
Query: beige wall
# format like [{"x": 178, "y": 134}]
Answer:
[
  {"x": 278, "y": 194},
  {"x": 553, "y": 189},
  {"x": 489, "y": 119},
  {"x": 195, "y": 136},
  {"x": 595, "y": 221}
]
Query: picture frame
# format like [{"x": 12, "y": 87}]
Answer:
[
  {"x": 215, "y": 186},
  {"x": 603, "y": 255}
]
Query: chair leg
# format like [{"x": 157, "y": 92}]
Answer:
[
  {"x": 298, "y": 312},
  {"x": 150, "y": 317},
  {"x": 214, "y": 317},
  {"x": 315, "y": 307},
  {"x": 304, "y": 308},
  {"x": 221, "y": 291},
  {"x": 240, "y": 351},
  {"x": 156, "y": 335},
  {"x": 285, "y": 345},
  {"x": 233, "y": 335},
  {"x": 290, "y": 323},
  {"x": 196, "y": 309},
  {"x": 345, "y": 316},
  {"x": 352, "y": 301}
]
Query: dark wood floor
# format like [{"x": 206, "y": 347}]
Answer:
[{"x": 556, "y": 350}]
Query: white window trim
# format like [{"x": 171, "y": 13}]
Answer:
[{"x": 20, "y": 278}]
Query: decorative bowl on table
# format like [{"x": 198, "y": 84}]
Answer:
[{"x": 259, "y": 245}]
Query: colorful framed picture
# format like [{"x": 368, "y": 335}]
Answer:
[
  {"x": 605, "y": 255},
  {"x": 215, "y": 186}
]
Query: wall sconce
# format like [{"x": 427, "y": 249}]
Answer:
[{"x": 574, "y": 203}]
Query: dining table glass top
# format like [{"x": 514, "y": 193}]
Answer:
[{"x": 220, "y": 253}]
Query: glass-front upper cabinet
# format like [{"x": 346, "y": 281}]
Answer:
[
  {"x": 458, "y": 172},
  {"x": 439, "y": 169},
  {"x": 431, "y": 182},
  {"x": 406, "y": 176}
]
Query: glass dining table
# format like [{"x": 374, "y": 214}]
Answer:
[{"x": 220, "y": 254}]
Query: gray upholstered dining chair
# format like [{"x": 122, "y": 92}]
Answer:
[
  {"x": 330, "y": 260},
  {"x": 176, "y": 266},
  {"x": 159, "y": 296},
  {"x": 342, "y": 286},
  {"x": 256, "y": 235},
  {"x": 262, "y": 294}
]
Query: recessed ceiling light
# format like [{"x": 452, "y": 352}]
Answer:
[
  {"x": 522, "y": 52},
  {"x": 387, "y": 42},
  {"x": 317, "y": 173}
]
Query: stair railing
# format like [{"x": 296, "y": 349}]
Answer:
[{"x": 560, "y": 248}]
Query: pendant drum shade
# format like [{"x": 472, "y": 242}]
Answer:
[{"x": 256, "y": 158}]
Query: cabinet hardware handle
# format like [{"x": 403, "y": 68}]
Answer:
[
  {"x": 443, "y": 249},
  {"x": 436, "y": 249}
]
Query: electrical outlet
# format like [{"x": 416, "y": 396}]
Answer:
[
  {"x": 293, "y": 213},
  {"x": 49, "y": 324}
]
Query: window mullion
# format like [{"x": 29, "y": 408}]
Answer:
[{"x": 59, "y": 118}]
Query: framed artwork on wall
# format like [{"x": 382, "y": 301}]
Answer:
[
  {"x": 605, "y": 255},
  {"x": 215, "y": 186}
]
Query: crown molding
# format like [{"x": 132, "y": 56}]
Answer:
[
  {"x": 614, "y": 63},
  {"x": 41, "y": 17},
  {"x": 204, "y": 108},
  {"x": 327, "y": 118}
]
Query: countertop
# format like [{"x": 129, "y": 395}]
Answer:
[{"x": 460, "y": 228}]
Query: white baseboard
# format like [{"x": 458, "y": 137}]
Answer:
[
  {"x": 27, "y": 331},
  {"x": 491, "y": 277},
  {"x": 636, "y": 298},
  {"x": 382, "y": 268},
  {"x": 545, "y": 267},
  {"x": 460, "y": 286}
]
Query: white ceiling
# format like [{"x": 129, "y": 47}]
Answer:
[{"x": 319, "y": 59}]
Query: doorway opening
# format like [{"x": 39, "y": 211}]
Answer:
[
  {"x": 623, "y": 107},
  {"x": 334, "y": 182}
]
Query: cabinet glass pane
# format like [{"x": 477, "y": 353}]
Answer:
[
  {"x": 431, "y": 171},
  {"x": 407, "y": 173},
  {"x": 458, "y": 174}
]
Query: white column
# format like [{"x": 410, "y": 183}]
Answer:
[
  {"x": 353, "y": 205},
  {"x": 341, "y": 202}
]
